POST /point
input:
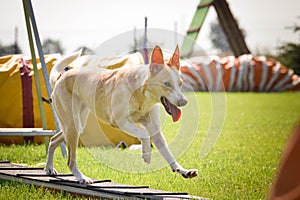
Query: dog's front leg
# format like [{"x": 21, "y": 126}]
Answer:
[
  {"x": 160, "y": 143},
  {"x": 143, "y": 136},
  {"x": 146, "y": 149},
  {"x": 152, "y": 124}
]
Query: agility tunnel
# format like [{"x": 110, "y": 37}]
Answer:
[{"x": 245, "y": 73}]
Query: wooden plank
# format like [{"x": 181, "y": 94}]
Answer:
[
  {"x": 100, "y": 188},
  {"x": 206, "y": 4},
  {"x": 44, "y": 175},
  {"x": 118, "y": 187},
  {"x": 195, "y": 27},
  {"x": 4, "y": 161},
  {"x": 20, "y": 168},
  {"x": 74, "y": 181}
]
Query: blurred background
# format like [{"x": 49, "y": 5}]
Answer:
[{"x": 67, "y": 25}]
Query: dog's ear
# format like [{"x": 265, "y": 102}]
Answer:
[
  {"x": 174, "y": 60},
  {"x": 157, "y": 60},
  {"x": 157, "y": 56}
]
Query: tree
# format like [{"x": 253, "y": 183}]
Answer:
[
  {"x": 52, "y": 46},
  {"x": 9, "y": 49},
  {"x": 218, "y": 38},
  {"x": 85, "y": 50},
  {"x": 290, "y": 54}
]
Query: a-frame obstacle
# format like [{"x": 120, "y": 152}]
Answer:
[
  {"x": 102, "y": 189},
  {"x": 229, "y": 25}
]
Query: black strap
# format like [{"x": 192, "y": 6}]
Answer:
[{"x": 48, "y": 101}]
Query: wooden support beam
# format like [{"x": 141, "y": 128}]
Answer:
[
  {"x": 231, "y": 29},
  {"x": 227, "y": 21}
]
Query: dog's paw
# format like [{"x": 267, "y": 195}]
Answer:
[
  {"x": 146, "y": 157},
  {"x": 85, "y": 180},
  {"x": 188, "y": 173},
  {"x": 51, "y": 171}
]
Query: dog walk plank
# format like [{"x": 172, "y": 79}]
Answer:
[
  {"x": 4, "y": 161},
  {"x": 68, "y": 183},
  {"x": 44, "y": 175}
]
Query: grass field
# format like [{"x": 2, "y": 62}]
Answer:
[{"x": 241, "y": 166}]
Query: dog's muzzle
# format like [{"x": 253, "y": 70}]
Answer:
[
  {"x": 182, "y": 102},
  {"x": 171, "y": 109}
]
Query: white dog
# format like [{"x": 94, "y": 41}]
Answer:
[{"x": 125, "y": 97}]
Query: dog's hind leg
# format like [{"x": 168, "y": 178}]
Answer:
[
  {"x": 73, "y": 128},
  {"x": 54, "y": 142},
  {"x": 81, "y": 113},
  {"x": 72, "y": 138},
  {"x": 67, "y": 117}
]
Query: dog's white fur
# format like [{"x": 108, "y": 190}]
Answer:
[{"x": 126, "y": 98}]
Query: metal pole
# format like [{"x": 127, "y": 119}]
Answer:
[
  {"x": 42, "y": 60},
  {"x": 145, "y": 44},
  {"x": 29, "y": 16},
  {"x": 35, "y": 69},
  {"x": 134, "y": 41}
]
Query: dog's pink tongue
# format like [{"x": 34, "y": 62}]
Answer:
[{"x": 176, "y": 113}]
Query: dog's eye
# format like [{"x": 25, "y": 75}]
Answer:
[
  {"x": 180, "y": 84},
  {"x": 167, "y": 84}
]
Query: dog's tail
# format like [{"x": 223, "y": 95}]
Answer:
[{"x": 60, "y": 65}]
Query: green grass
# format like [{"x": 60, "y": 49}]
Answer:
[
  {"x": 18, "y": 191},
  {"x": 242, "y": 165}
]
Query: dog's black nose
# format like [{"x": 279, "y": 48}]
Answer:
[{"x": 182, "y": 102}]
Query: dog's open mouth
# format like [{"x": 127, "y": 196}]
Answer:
[{"x": 171, "y": 109}]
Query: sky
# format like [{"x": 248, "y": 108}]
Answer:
[{"x": 93, "y": 22}]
